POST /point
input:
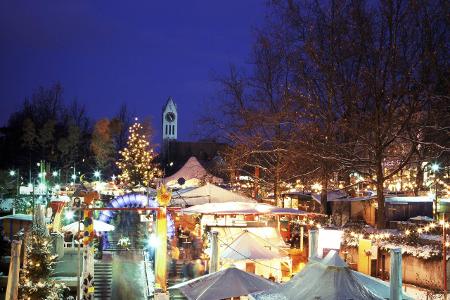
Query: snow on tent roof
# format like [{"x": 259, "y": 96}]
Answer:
[
  {"x": 250, "y": 246},
  {"x": 192, "y": 169},
  {"x": 328, "y": 279},
  {"x": 208, "y": 193}
]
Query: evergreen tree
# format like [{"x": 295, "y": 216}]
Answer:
[
  {"x": 35, "y": 282},
  {"x": 136, "y": 162}
]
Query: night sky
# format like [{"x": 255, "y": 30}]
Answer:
[{"x": 105, "y": 53}]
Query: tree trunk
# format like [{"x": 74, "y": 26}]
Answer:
[
  {"x": 324, "y": 195},
  {"x": 276, "y": 192},
  {"x": 419, "y": 179},
  {"x": 381, "y": 222}
]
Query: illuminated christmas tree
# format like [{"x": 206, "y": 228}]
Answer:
[
  {"x": 35, "y": 282},
  {"x": 136, "y": 163}
]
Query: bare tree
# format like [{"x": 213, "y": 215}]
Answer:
[{"x": 360, "y": 70}]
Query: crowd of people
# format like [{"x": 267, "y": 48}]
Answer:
[
  {"x": 187, "y": 248},
  {"x": 189, "y": 243}
]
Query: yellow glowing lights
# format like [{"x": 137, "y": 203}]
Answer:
[{"x": 136, "y": 161}]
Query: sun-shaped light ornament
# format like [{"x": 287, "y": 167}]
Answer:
[{"x": 163, "y": 195}]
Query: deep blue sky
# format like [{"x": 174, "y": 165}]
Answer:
[{"x": 105, "y": 53}]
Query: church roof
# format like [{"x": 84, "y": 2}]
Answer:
[{"x": 168, "y": 102}]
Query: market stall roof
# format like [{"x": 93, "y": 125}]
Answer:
[
  {"x": 421, "y": 218},
  {"x": 192, "y": 169},
  {"x": 377, "y": 286},
  {"x": 208, "y": 193},
  {"x": 19, "y": 217},
  {"x": 270, "y": 235},
  {"x": 61, "y": 198},
  {"x": 326, "y": 279},
  {"x": 407, "y": 199},
  {"x": 240, "y": 208},
  {"x": 250, "y": 246},
  {"x": 224, "y": 284},
  {"x": 98, "y": 226}
]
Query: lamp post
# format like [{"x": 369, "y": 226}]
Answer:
[
  {"x": 97, "y": 174},
  {"x": 15, "y": 174},
  {"x": 435, "y": 169},
  {"x": 444, "y": 253}
]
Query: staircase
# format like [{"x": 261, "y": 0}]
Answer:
[
  {"x": 102, "y": 280},
  {"x": 175, "y": 294}
]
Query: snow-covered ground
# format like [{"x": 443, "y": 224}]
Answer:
[{"x": 419, "y": 293}]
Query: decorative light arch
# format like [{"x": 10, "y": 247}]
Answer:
[{"x": 133, "y": 201}]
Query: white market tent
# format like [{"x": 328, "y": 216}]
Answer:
[
  {"x": 208, "y": 193},
  {"x": 269, "y": 235},
  {"x": 240, "y": 208},
  {"x": 327, "y": 279},
  {"x": 250, "y": 248},
  {"x": 98, "y": 226},
  {"x": 228, "y": 283},
  {"x": 377, "y": 286},
  {"x": 193, "y": 172}
]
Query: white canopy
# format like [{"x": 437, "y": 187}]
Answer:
[
  {"x": 20, "y": 217},
  {"x": 192, "y": 169},
  {"x": 240, "y": 208},
  {"x": 98, "y": 226},
  {"x": 269, "y": 235},
  {"x": 227, "y": 283},
  {"x": 250, "y": 246},
  {"x": 377, "y": 286},
  {"x": 209, "y": 193},
  {"x": 327, "y": 279}
]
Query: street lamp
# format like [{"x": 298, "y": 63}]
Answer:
[
  {"x": 97, "y": 174},
  {"x": 55, "y": 173},
  {"x": 435, "y": 168},
  {"x": 12, "y": 173}
]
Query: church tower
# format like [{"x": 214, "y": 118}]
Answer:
[{"x": 169, "y": 121}]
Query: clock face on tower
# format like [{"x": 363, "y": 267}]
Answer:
[{"x": 170, "y": 117}]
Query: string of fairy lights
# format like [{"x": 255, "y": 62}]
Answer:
[{"x": 423, "y": 229}]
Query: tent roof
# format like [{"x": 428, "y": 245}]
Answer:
[
  {"x": 227, "y": 283},
  {"x": 269, "y": 235},
  {"x": 408, "y": 199},
  {"x": 98, "y": 226},
  {"x": 250, "y": 246},
  {"x": 19, "y": 217},
  {"x": 192, "y": 169},
  {"x": 208, "y": 193},
  {"x": 329, "y": 279},
  {"x": 377, "y": 286},
  {"x": 240, "y": 208}
]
